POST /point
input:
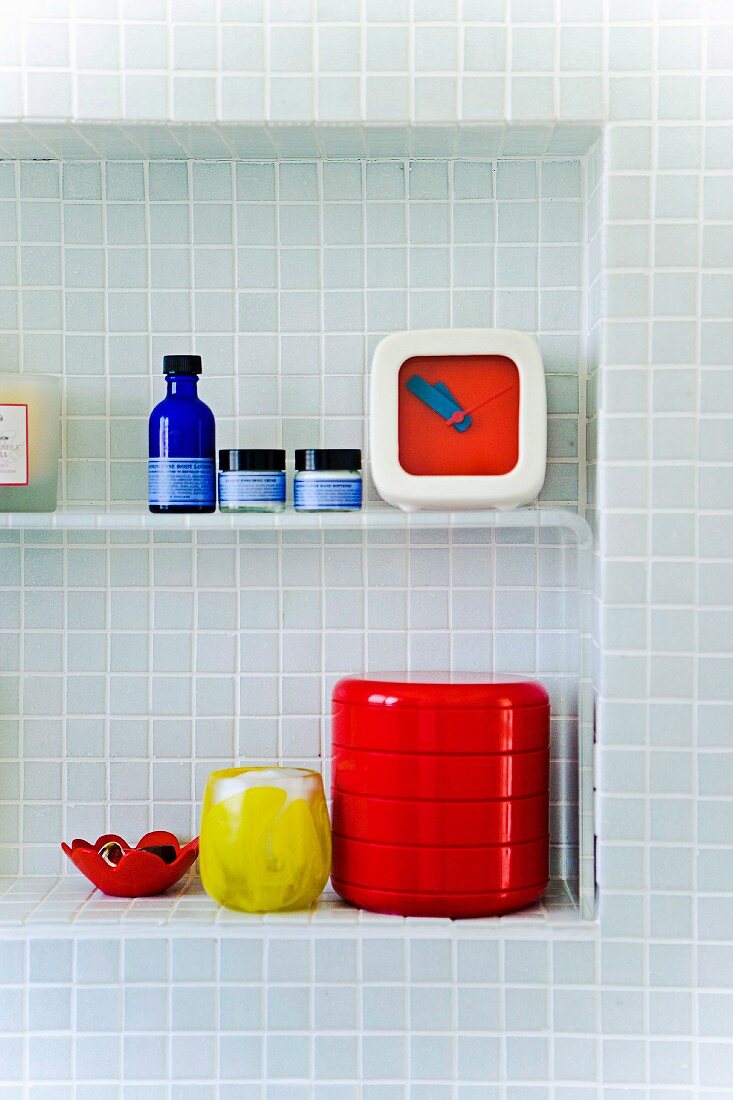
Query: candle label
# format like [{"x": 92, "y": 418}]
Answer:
[{"x": 13, "y": 444}]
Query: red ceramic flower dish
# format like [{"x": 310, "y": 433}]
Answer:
[{"x": 138, "y": 874}]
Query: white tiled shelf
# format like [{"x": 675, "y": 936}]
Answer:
[
  {"x": 374, "y": 516},
  {"x": 89, "y": 140},
  {"x": 36, "y": 904}
]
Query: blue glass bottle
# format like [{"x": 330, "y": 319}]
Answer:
[{"x": 182, "y": 443}]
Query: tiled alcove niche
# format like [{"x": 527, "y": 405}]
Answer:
[{"x": 135, "y": 661}]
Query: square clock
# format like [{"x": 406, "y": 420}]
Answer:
[{"x": 458, "y": 419}]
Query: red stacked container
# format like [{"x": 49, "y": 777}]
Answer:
[{"x": 440, "y": 794}]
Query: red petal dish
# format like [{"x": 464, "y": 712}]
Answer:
[{"x": 138, "y": 874}]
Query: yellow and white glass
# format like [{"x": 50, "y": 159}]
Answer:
[{"x": 265, "y": 842}]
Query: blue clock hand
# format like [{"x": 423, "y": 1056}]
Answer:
[
  {"x": 462, "y": 422},
  {"x": 439, "y": 399},
  {"x": 442, "y": 388}
]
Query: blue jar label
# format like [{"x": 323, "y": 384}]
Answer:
[
  {"x": 251, "y": 487},
  {"x": 327, "y": 494},
  {"x": 181, "y": 481}
]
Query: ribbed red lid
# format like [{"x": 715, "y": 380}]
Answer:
[{"x": 439, "y": 689}]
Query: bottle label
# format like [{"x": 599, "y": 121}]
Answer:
[
  {"x": 251, "y": 487},
  {"x": 13, "y": 444},
  {"x": 327, "y": 494},
  {"x": 181, "y": 481}
]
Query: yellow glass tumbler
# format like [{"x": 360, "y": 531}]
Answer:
[{"x": 265, "y": 842}]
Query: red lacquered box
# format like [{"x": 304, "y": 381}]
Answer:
[{"x": 440, "y": 793}]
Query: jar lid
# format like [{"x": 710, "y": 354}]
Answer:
[
  {"x": 333, "y": 458},
  {"x": 181, "y": 364},
  {"x": 433, "y": 690},
  {"x": 251, "y": 459}
]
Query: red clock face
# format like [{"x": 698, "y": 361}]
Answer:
[{"x": 458, "y": 415}]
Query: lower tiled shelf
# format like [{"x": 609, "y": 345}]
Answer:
[{"x": 67, "y": 905}]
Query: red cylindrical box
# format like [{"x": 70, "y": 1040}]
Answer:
[
  {"x": 440, "y": 793},
  {"x": 445, "y": 824},
  {"x": 432, "y": 776},
  {"x": 462, "y": 869}
]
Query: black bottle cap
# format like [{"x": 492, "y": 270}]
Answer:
[
  {"x": 251, "y": 459},
  {"x": 333, "y": 458},
  {"x": 181, "y": 364}
]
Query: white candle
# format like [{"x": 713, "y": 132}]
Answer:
[{"x": 30, "y": 440}]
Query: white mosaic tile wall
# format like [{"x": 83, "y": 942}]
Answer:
[
  {"x": 284, "y": 277},
  {"x": 666, "y": 444},
  {"x": 642, "y": 1007},
  {"x": 340, "y": 1017}
]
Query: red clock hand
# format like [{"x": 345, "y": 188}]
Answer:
[{"x": 458, "y": 416}]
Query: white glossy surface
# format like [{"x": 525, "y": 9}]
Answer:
[
  {"x": 131, "y": 140},
  {"x": 376, "y": 516}
]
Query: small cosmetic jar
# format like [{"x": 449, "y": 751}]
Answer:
[
  {"x": 327, "y": 480},
  {"x": 251, "y": 481}
]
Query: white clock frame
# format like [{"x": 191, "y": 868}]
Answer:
[{"x": 412, "y": 492}]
